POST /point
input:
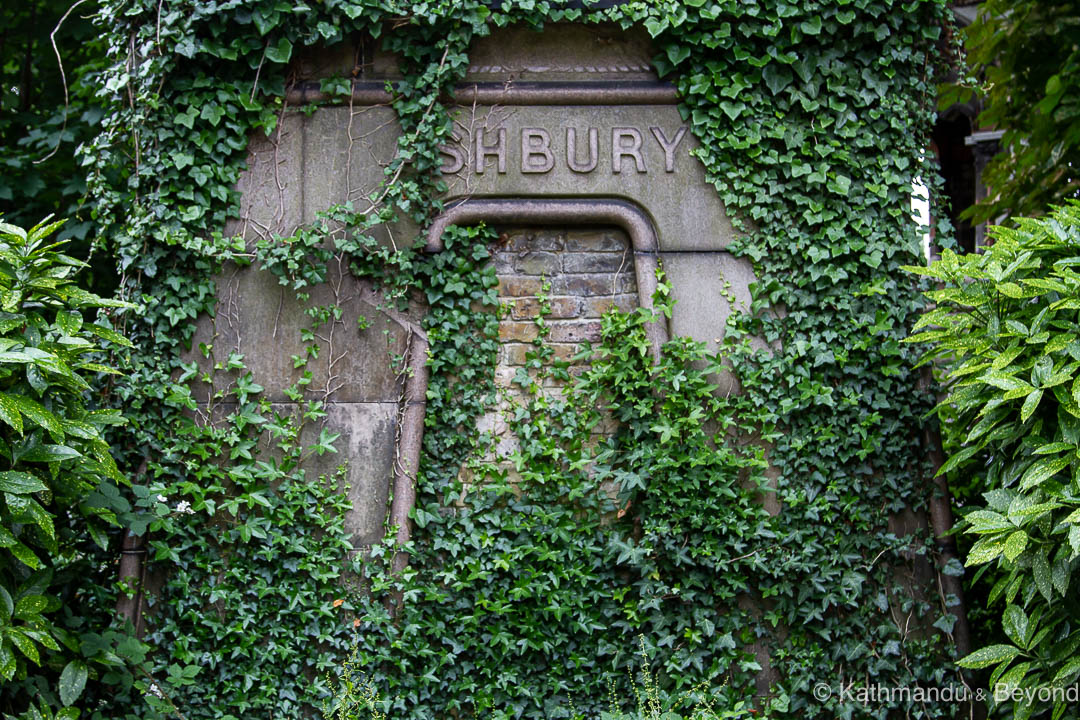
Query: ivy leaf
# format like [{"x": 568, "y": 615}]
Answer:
[
  {"x": 655, "y": 27},
  {"x": 945, "y": 623},
  {"x": 732, "y": 109},
  {"x": 841, "y": 185},
  {"x": 213, "y": 113},
  {"x": 677, "y": 53},
  {"x": 811, "y": 26},
  {"x": 186, "y": 118},
  {"x": 777, "y": 77},
  {"x": 281, "y": 52},
  {"x": 182, "y": 160}
]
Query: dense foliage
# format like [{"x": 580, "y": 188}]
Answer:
[
  {"x": 46, "y": 110},
  {"x": 813, "y": 118},
  {"x": 1006, "y": 326},
  {"x": 559, "y": 552},
  {"x": 1027, "y": 55},
  {"x": 60, "y": 488},
  {"x": 357, "y": 698}
]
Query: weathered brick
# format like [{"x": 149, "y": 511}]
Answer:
[
  {"x": 504, "y": 262},
  {"x": 555, "y": 387},
  {"x": 564, "y": 352},
  {"x": 561, "y": 308},
  {"x": 510, "y": 331},
  {"x": 574, "y": 331},
  {"x": 514, "y": 354},
  {"x": 531, "y": 240},
  {"x": 517, "y": 286},
  {"x": 596, "y": 240},
  {"x": 598, "y": 262},
  {"x": 510, "y": 238},
  {"x": 589, "y": 272},
  {"x": 597, "y": 306},
  {"x": 538, "y": 263},
  {"x": 595, "y": 284},
  {"x": 607, "y": 425},
  {"x": 504, "y": 374},
  {"x": 578, "y": 370}
]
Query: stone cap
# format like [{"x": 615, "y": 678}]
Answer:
[{"x": 583, "y": 53}]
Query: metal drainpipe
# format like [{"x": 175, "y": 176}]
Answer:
[
  {"x": 941, "y": 522},
  {"x": 132, "y": 574},
  {"x": 408, "y": 461}
]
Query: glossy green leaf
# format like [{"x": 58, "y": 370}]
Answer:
[
  {"x": 21, "y": 483},
  {"x": 1042, "y": 470},
  {"x": 987, "y": 656},
  {"x": 72, "y": 682}
]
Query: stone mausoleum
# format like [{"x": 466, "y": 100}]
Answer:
[{"x": 566, "y": 141}]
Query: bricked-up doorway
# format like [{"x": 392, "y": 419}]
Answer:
[
  {"x": 587, "y": 272},
  {"x": 641, "y": 242}
]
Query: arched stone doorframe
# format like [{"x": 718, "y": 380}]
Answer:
[{"x": 533, "y": 211}]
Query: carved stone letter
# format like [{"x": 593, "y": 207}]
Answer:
[
  {"x": 482, "y": 151},
  {"x": 536, "y": 154},
  {"x": 452, "y": 151},
  {"x": 619, "y": 148},
  {"x": 571, "y": 151},
  {"x": 668, "y": 145}
]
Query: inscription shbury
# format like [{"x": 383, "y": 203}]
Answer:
[{"x": 538, "y": 151}]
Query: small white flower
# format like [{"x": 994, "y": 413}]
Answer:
[
  {"x": 162, "y": 498},
  {"x": 184, "y": 507},
  {"x": 154, "y": 689}
]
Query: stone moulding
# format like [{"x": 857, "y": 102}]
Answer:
[
  {"x": 632, "y": 92},
  {"x": 547, "y": 211}
]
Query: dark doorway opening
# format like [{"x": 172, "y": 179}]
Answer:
[{"x": 958, "y": 169}]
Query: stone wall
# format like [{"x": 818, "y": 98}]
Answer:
[{"x": 642, "y": 157}]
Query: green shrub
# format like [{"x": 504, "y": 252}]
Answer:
[
  {"x": 59, "y": 485},
  {"x": 1006, "y": 327},
  {"x": 355, "y": 697}
]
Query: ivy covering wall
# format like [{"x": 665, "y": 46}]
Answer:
[{"x": 525, "y": 594}]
